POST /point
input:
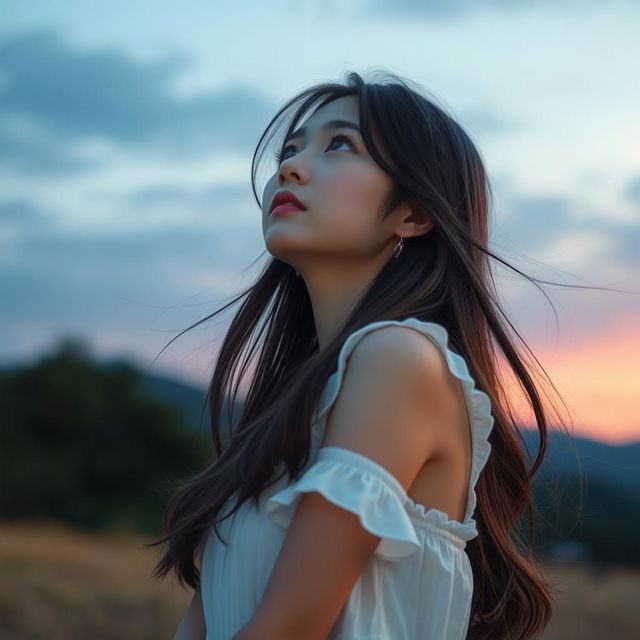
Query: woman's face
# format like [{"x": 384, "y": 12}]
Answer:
[{"x": 330, "y": 171}]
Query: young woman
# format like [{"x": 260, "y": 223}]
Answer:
[{"x": 372, "y": 485}]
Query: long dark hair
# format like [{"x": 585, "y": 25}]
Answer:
[{"x": 443, "y": 276}]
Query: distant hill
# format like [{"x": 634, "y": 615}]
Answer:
[
  {"x": 188, "y": 399},
  {"x": 617, "y": 465}
]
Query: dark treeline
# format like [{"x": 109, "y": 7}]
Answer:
[
  {"x": 84, "y": 444},
  {"x": 99, "y": 447}
]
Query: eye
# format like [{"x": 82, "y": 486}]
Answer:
[
  {"x": 343, "y": 138},
  {"x": 280, "y": 155}
]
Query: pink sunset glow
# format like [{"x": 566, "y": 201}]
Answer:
[{"x": 598, "y": 378}]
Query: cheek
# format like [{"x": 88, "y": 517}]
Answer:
[{"x": 354, "y": 189}]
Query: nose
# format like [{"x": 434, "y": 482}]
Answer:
[{"x": 293, "y": 169}]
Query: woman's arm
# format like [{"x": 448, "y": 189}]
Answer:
[{"x": 192, "y": 626}]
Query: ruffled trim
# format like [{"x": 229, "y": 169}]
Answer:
[
  {"x": 437, "y": 522},
  {"x": 478, "y": 408},
  {"x": 359, "y": 485}
]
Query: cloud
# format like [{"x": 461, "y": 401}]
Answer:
[
  {"x": 35, "y": 151},
  {"x": 161, "y": 195},
  {"x": 531, "y": 222},
  {"x": 108, "y": 282},
  {"x": 194, "y": 198},
  {"x": 628, "y": 248},
  {"x": 20, "y": 214},
  {"x": 545, "y": 228},
  {"x": 97, "y": 256},
  {"x": 79, "y": 94},
  {"x": 632, "y": 190},
  {"x": 487, "y": 122},
  {"x": 453, "y": 8},
  {"x": 57, "y": 100},
  {"x": 51, "y": 275}
]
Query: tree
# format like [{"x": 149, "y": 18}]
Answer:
[{"x": 85, "y": 445}]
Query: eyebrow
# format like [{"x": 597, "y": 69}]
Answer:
[{"x": 302, "y": 131}]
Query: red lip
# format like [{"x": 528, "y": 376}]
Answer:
[{"x": 283, "y": 197}]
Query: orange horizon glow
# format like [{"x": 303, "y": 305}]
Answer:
[{"x": 598, "y": 378}]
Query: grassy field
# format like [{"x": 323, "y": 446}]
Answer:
[{"x": 60, "y": 584}]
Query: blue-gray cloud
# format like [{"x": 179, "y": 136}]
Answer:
[
  {"x": 76, "y": 93},
  {"x": 533, "y": 223},
  {"x": 23, "y": 214},
  {"x": 631, "y": 191},
  {"x": 453, "y": 8},
  {"x": 39, "y": 153},
  {"x": 48, "y": 273},
  {"x": 488, "y": 122},
  {"x": 204, "y": 198},
  {"x": 120, "y": 257},
  {"x": 70, "y": 94},
  {"x": 66, "y": 288}
]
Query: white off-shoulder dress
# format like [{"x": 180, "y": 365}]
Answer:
[{"x": 417, "y": 585}]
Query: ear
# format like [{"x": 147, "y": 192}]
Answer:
[{"x": 415, "y": 220}]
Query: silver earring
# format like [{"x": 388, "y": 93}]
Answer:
[
  {"x": 297, "y": 273},
  {"x": 399, "y": 247}
]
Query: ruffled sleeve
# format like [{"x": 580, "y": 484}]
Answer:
[{"x": 360, "y": 485}]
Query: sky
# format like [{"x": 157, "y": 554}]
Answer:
[{"x": 126, "y": 136}]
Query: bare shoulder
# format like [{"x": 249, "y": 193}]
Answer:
[
  {"x": 396, "y": 402},
  {"x": 405, "y": 351}
]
